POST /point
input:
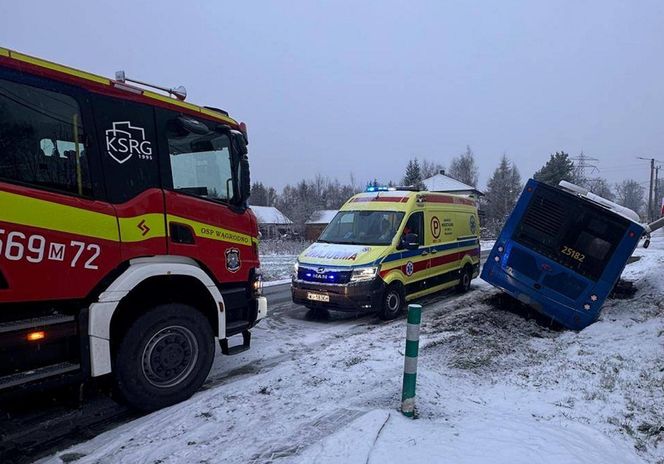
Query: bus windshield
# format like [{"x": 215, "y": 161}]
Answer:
[{"x": 362, "y": 227}]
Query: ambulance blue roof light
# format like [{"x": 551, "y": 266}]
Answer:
[{"x": 372, "y": 188}]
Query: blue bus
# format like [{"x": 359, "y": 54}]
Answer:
[{"x": 562, "y": 250}]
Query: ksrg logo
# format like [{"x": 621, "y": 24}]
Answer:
[{"x": 125, "y": 141}]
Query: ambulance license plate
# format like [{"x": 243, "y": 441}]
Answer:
[{"x": 318, "y": 297}]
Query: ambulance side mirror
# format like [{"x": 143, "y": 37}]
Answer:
[{"x": 410, "y": 242}]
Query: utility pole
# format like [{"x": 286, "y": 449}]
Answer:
[
  {"x": 650, "y": 190},
  {"x": 652, "y": 184},
  {"x": 658, "y": 200}
]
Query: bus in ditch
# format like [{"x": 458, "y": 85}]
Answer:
[{"x": 562, "y": 250}]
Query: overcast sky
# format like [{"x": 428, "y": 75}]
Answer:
[{"x": 339, "y": 87}]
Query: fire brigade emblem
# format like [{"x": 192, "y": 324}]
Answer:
[
  {"x": 409, "y": 268},
  {"x": 125, "y": 141},
  {"x": 233, "y": 259},
  {"x": 473, "y": 225}
]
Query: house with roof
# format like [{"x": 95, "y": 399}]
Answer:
[
  {"x": 441, "y": 182},
  {"x": 317, "y": 222},
  {"x": 272, "y": 223}
]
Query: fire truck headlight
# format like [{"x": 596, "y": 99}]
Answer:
[
  {"x": 257, "y": 284},
  {"x": 363, "y": 274}
]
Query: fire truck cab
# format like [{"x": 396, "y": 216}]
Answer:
[{"x": 126, "y": 243}]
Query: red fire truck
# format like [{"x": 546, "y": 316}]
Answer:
[{"x": 126, "y": 243}]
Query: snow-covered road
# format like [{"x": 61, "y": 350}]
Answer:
[{"x": 493, "y": 386}]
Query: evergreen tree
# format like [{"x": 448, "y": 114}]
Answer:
[
  {"x": 413, "y": 176},
  {"x": 502, "y": 192},
  {"x": 630, "y": 194},
  {"x": 464, "y": 168},
  {"x": 258, "y": 194},
  {"x": 271, "y": 196},
  {"x": 559, "y": 167}
]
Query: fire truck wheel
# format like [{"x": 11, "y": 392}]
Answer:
[
  {"x": 393, "y": 301},
  {"x": 164, "y": 357},
  {"x": 465, "y": 278}
]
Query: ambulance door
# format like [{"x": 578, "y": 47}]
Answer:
[
  {"x": 440, "y": 233},
  {"x": 126, "y": 132},
  {"x": 58, "y": 237},
  {"x": 416, "y": 269}
]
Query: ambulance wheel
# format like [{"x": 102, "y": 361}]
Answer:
[
  {"x": 392, "y": 304},
  {"x": 164, "y": 357},
  {"x": 465, "y": 278}
]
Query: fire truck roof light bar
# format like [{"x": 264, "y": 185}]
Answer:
[{"x": 179, "y": 92}]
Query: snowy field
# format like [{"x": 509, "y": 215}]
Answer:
[
  {"x": 278, "y": 256},
  {"x": 493, "y": 387}
]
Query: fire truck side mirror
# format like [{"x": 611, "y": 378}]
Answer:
[{"x": 245, "y": 180}]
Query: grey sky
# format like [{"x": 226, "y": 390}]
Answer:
[{"x": 341, "y": 87}]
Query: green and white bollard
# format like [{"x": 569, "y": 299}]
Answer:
[{"x": 410, "y": 362}]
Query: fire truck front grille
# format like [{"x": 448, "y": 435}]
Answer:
[{"x": 326, "y": 276}]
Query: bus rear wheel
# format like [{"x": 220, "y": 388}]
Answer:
[
  {"x": 164, "y": 357},
  {"x": 393, "y": 302}
]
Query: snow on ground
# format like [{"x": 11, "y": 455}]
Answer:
[
  {"x": 493, "y": 386},
  {"x": 277, "y": 267},
  {"x": 278, "y": 256}
]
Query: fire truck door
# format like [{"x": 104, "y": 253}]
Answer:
[{"x": 126, "y": 133}]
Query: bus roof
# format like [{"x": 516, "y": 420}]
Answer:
[{"x": 105, "y": 85}]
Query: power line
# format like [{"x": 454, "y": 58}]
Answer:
[{"x": 584, "y": 162}]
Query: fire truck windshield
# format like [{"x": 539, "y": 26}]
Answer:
[{"x": 202, "y": 165}]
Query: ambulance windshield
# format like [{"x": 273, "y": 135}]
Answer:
[{"x": 362, "y": 227}]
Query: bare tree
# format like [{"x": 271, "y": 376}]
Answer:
[
  {"x": 464, "y": 168},
  {"x": 430, "y": 168},
  {"x": 630, "y": 194},
  {"x": 600, "y": 186}
]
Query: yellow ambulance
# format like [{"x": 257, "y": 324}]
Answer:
[{"x": 385, "y": 247}]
